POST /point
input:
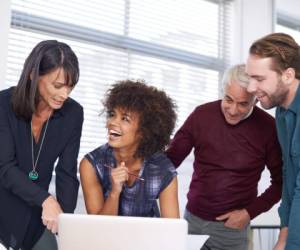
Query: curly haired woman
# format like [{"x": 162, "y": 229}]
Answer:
[{"x": 128, "y": 174}]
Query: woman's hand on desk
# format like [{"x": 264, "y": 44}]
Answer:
[
  {"x": 51, "y": 210},
  {"x": 237, "y": 219}
]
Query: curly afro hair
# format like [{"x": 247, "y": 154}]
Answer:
[{"x": 155, "y": 109}]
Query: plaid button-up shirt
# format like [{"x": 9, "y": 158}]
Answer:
[{"x": 139, "y": 199}]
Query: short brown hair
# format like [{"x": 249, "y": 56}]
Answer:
[{"x": 282, "y": 48}]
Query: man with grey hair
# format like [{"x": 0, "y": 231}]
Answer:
[{"x": 233, "y": 141}]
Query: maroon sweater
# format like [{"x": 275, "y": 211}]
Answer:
[{"x": 229, "y": 160}]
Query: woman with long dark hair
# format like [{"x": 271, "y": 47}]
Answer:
[{"x": 39, "y": 127}]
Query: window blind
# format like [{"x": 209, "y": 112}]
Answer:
[{"x": 176, "y": 45}]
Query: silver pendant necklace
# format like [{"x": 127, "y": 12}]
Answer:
[{"x": 33, "y": 174}]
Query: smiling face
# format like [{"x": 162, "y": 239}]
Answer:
[
  {"x": 236, "y": 104},
  {"x": 122, "y": 127},
  {"x": 266, "y": 84},
  {"x": 53, "y": 89}
]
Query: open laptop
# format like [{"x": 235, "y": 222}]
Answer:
[{"x": 99, "y": 232}]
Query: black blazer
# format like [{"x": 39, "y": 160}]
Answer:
[{"x": 21, "y": 198}]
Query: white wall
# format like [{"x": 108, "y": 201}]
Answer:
[
  {"x": 4, "y": 31},
  {"x": 253, "y": 19}
]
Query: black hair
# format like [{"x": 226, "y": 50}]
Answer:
[{"x": 156, "y": 110}]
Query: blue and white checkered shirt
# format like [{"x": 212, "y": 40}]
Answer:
[{"x": 140, "y": 198}]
